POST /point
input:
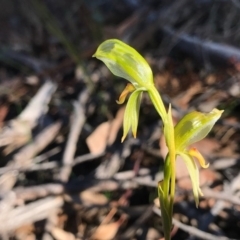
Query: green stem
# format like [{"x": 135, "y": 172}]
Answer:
[
  {"x": 169, "y": 165},
  {"x": 172, "y": 155},
  {"x": 158, "y": 103},
  {"x": 166, "y": 180}
]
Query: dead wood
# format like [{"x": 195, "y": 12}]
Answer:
[
  {"x": 75, "y": 130},
  {"x": 203, "y": 51},
  {"x": 46, "y": 170},
  {"x": 29, "y": 213}
]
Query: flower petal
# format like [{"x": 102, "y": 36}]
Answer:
[
  {"x": 135, "y": 114},
  {"x": 194, "y": 175},
  {"x": 131, "y": 114},
  {"x": 128, "y": 89},
  {"x": 124, "y": 61},
  {"x": 194, "y": 126},
  {"x": 197, "y": 155}
]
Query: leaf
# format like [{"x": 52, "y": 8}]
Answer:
[
  {"x": 60, "y": 234},
  {"x": 194, "y": 126},
  {"x": 124, "y": 61},
  {"x": 105, "y": 134},
  {"x": 106, "y": 231}
]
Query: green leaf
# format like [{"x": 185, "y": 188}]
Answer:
[
  {"x": 124, "y": 61},
  {"x": 194, "y": 126}
]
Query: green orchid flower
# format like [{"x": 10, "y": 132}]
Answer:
[
  {"x": 192, "y": 128},
  {"x": 124, "y": 61}
]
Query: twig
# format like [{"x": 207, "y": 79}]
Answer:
[
  {"x": 29, "y": 213},
  {"x": 236, "y": 3},
  {"x": 76, "y": 127},
  {"x": 95, "y": 185},
  {"x": 18, "y": 132},
  {"x": 49, "y": 165},
  {"x": 24, "y": 156},
  {"x": 192, "y": 230},
  {"x": 131, "y": 231},
  {"x": 34, "y": 166},
  {"x": 46, "y": 155},
  {"x": 31, "y": 193},
  {"x": 226, "y": 196},
  {"x": 111, "y": 166},
  {"x": 38, "y": 105},
  {"x": 87, "y": 157}
]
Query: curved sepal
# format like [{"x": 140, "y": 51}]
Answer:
[
  {"x": 194, "y": 126},
  {"x": 124, "y": 61}
]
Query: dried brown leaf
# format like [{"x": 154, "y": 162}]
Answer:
[
  {"x": 60, "y": 234},
  {"x": 93, "y": 198},
  {"x": 105, "y": 134},
  {"x": 106, "y": 231}
]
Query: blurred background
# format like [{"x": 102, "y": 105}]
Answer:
[{"x": 64, "y": 173}]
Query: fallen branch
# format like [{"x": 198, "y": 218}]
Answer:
[
  {"x": 29, "y": 213},
  {"x": 204, "y": 51},
  {"x": 192, "y": 230},
  {"x": 76, "y": 127}
]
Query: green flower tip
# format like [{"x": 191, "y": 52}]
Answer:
[
  {"x": 195, "y": 126},
  {"x": 192, "y": 128},
  {"x": 124, "y": 61}
]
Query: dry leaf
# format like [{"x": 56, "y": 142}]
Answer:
[
  {"x": 105, "y": 134},
  {"x": 183, "y": 99},
  {"x": 153, "y": 234},
  {"x": 106, "y": 231},
  {"x": 97, "y": 141},
  {"x": 3, "y": 113},
  {"x": 16, "y": 134},
  {"x": 60, "y": 234},
  {"x": 92, "y": 198},
  {"x": 25, "y": 232}
]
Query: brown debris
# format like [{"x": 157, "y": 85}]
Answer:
[{"x": 64, "y": 174}]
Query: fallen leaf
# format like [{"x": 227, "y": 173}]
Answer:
[
  {"x": 97, "y": 141},
  {"x": 153, "y": 234},
  {"x": 92, "y": 198},
  {"x": 60, "y": 234},
  {"x": 106, "y": 231},
  {"x": 3, "y": 113},
  {"x": 25, "y": 232},
  {"x": 184, "y": 98},
  {"x": 105, "y": 134}
]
